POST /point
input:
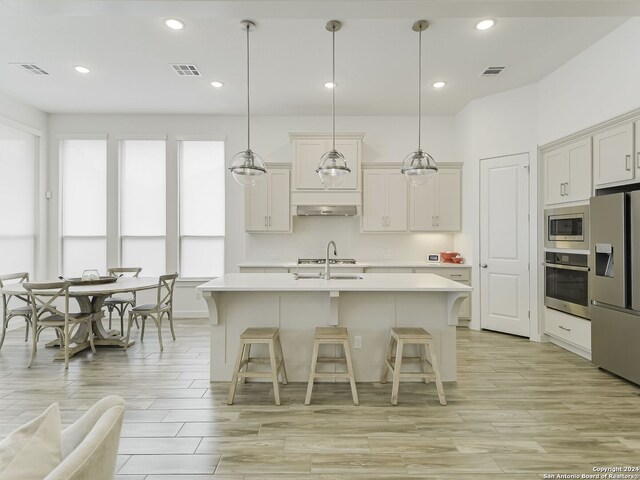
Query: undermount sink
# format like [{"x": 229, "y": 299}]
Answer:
[{"x": 320, "y": 276}]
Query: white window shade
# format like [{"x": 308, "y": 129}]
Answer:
[
  {"x": 147, "y": 253},
  {"x": 143, "y": 188},
  {"x": 83, "y": 253}
]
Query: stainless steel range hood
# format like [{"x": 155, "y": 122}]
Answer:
[{"x": 326, "y": 210}]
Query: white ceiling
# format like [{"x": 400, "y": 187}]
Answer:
[{"x": 128, "y": 50}]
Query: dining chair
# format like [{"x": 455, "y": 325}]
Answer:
[
  {"x": 23, "y": 310},
  {"x": 45, "y": 314},
  {"x": 163, "y": 306},
  {"x": 120, "y": 302}
]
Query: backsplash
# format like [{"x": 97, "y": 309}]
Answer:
[{"x": 311, "y": 234}]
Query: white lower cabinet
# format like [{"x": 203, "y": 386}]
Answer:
[
  {"x": 266, "y": 204},
  {"x": 570, "y": 329},
  {"x": 462, "y": 275}
]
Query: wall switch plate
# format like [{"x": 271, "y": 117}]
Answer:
[
  {"x": 48, "y": 195},
  {"x": 357, "y": 341}
]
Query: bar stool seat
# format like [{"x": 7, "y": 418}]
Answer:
[
  {"x": 270, "y": 337},
  {"x": 331, "y": 336},
  {"x": 401, "y": 336}
]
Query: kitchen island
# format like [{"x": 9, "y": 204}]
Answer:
[{"x": 367, "y": 304}]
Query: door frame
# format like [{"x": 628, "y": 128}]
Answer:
[{"x": 533, "y": 229}]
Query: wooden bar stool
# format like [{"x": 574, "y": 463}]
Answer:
[
  {"x": 334, "y": 336},
  {"x": 411, "y": 336},
  {"x": 270, "y": 337}
]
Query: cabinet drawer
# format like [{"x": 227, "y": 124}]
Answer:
[
  {"x": 568, "y": 328},
  {"x": 456, "y": 274},
  {"x": 388, "y": 270}
]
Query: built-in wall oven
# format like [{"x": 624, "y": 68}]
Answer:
[
  {"x": 567, "y": 227},
  {"x": 566, "y": 283}
]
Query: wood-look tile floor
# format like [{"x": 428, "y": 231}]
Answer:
[{"x": 519, "y": 410}]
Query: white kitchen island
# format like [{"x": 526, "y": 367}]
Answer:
[{"x": 368, "y": 306}]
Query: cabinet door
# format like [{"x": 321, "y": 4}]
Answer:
[
  {"x": 579, "y": 159},
  {"x": 465, "y": 309},
  {"x": 396, "y": 202},
  {"x": 422, "y": 207},
  {"x": 307, "y": 158},
  {"x": 374, "y": 209},
  {"x": 279, "y": 216},
  {"x": 448, "y": 200},
  {"x": 351, "y": 151},
  {"x": 637, "y": 150},
  {"x": 256, "y": 206},
  {"x": 556, "y": 166},
  {"x": 613, "y": 155}
]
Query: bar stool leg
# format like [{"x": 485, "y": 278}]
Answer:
[
  {"x": 312, "y": 376},
  {"x": 423, "y": 360},
  {"x": 385, "y": 367},
  {"x": 436, "y": 370},
  {"x": 396, "y": 372},
  {"x": 245, "y": 357},
  {"x": 285, "y": 381},
  {"x": 234, "y": 379},
  {"x": 274, "y": 372},
  {"x": 352, "y": 380}
]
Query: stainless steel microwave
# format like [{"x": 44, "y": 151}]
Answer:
[{"x": 567, "y": 227}]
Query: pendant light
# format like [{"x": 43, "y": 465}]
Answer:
[
  {"x": 333, "y": 168},
  {"x": 246, "y": 166},
  {"x": 419, "y": 167}
]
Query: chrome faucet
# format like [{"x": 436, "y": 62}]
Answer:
[{"x": 327, "y": 269}]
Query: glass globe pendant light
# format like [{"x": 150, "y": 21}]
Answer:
[
  {"x": 247, "y": 167},
  {"x": 333, "y": 168},
  {"x": 419, "y": 167}
]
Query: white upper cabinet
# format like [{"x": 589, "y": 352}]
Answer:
[
  {"x": 385, "y": 201},
  {"x": 613, "y": 155},
  {"x": 637, "y": 159},
  {"x": 436, "y": 206},
  {"x": 568, "y": 173},
  {"x": 309, "y": 149},
  {"x": 266, "y": 205}
]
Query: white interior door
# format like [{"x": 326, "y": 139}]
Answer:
[{"x": 504, "y": 244}]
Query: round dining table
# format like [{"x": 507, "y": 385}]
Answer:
[{"x": 90, "y": 299}]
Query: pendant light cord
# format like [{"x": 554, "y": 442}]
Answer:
[
  {"x": 333, "y": 90},
  {"x": 248, "y": 108},
  {"x": 419, "y": 88}
]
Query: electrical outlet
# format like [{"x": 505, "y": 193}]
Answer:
[
  {"x": 357, "y": 341},
  {"x": 198, "y": 295}
]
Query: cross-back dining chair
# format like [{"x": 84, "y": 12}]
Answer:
[
  {"x": 45, "y": 314},
  {"x": 162, "y": 307},
  {"x": 20, "y": 307},
  {"x": 121, "y": 301}
]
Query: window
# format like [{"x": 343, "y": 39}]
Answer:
[
  {"x": 17, "y": 196},
  {"x": 202, "y": 206},
  {"x": 83, "y": 166},
  {"x": 143, "y": 205}
]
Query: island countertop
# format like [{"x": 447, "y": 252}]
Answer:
[{"x": 372, "y": 282}]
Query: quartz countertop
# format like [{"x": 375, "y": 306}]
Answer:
[
  {"x": 358, "y": 264},
  {"x": 380, "y": 282}
]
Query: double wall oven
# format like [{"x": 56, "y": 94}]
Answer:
[{"x": 566, "y": 270}]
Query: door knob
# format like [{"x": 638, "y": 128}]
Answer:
[{"x": 484, "y": 265}]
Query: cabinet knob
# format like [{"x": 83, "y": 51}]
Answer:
[{"x": 483, "y": 265}]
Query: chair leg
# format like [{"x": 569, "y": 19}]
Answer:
[
  {"x": 385, "y": 367},
  {"x": 110, "y": 310},
  {"x": 285, "y": 380},
  {"x": 34, "y": 346},
  {"x": 246, "y": 356},
  {"x": 436, "y": 370},
  {"x": 397, "y": 369},
  {"x": 27, "y": 321},
  {"x": 143, "y": 320},
  {"x": 93, "y": 347},
  {"x": 4, "y": 331},
  {"x": 158, "y": 322},
  {"x": 352, "y": 378},
  {"x": 312, "y": 377},
  {"x": 126, "y": 342},
  {"x": 65, "y": 340},
  {"x": 236, "y": 370},
  {"x": 170, "y": 316},
  {"x": 274, "y": 372}
]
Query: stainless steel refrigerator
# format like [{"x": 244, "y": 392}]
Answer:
[{"x": 615, "y": 283}]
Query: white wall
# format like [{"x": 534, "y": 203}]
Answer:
[
  {"x": 387, "y": 139},
  {"x": 600, "y": 83},
  {"x": 29, "y": 119},
  {"x": 494, "y": 126}
]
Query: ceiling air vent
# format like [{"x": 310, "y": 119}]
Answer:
[
  {"x": 31, "y": 68},
  {"x": 492, "y": 71},
  {"x": 186, "y": 69}
]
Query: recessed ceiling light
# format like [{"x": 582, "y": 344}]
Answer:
[
  {"x": 439, "y": 84},
  {"x": 485, "y": 24},
  {"x": 174, "y": 24},
  {"x": 330, "y": 85},
  {"x": 81, "y": 69},
  {"x": 217, "y": 84}
]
